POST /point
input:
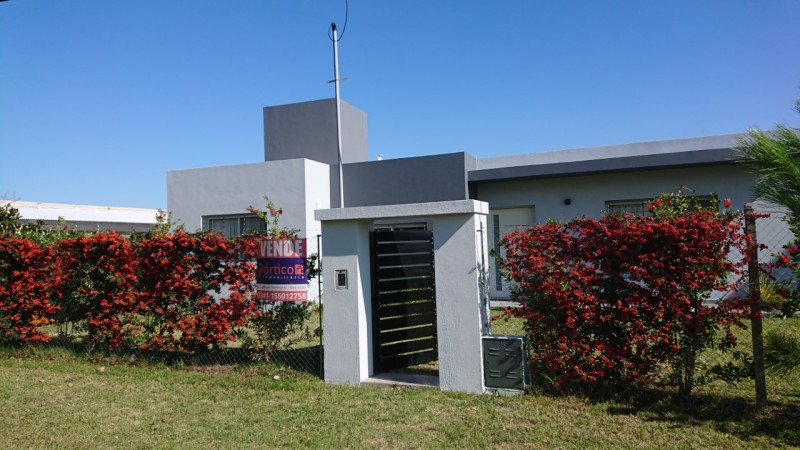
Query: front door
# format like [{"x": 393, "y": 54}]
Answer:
[{"x": 501, "y": 222}]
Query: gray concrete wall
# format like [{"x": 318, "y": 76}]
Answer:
[
  {"x": 461, "y": 304},
  {"x": 459, "y": 252},
  {"x": 294, "y": 185},
  {"x": 404, "y": 180},
  {"x": 589, "y": 193},
  {"x": 348, "y": 316},
  {"x": 308, "y": 130}
]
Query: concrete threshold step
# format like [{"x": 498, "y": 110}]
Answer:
[{"x": 402, "y": 379}]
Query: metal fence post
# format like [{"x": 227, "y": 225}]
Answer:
[{"x": 755, "y": 302}]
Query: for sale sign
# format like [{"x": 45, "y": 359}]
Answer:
[{"x": 281, "y": 270}]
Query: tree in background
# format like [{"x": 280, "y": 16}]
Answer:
[{"x": 775, "y": 156}]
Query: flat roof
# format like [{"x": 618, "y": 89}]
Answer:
[
  {"x": 83, "y": 213},
  {"x": 712, "y": 150}
]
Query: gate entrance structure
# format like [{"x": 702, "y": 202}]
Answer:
[
  {"x": 403, "y": 299},
  {"x": 386, "y": 304}
]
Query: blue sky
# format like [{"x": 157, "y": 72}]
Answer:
[{"x": 99, "y": 99}]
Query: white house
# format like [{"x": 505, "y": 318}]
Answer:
[{"x": 300, "y": 174}]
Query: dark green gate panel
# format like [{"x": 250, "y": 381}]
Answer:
[{"x": 403, "y": 299}]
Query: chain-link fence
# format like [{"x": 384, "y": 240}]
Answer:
[
  {"x": 288, "y": 334},
  {"x": 772, "y": 235}
]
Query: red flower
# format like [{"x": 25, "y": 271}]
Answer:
[
  {"x": 727, "y": 203},
  {"x": 631, "y": 281}
]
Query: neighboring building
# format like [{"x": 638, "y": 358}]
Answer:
[
  {"x": 300, "y": 174},
  {"x": 86, "y": 217}
]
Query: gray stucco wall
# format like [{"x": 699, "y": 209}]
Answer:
[
  {"x": 589, "y": 193},
  {"x": 308, "y": 130},
  {"x": 404, "y": 180},
  {"x": 296, "y": 185},
  {"x": 460, "y": 249},
  {"x": 348, "y": 317}
]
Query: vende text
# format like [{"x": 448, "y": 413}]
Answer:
[{"x": 282, "y": 248}]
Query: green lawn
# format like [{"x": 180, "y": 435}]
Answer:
[{"x": 51, "y": 398}]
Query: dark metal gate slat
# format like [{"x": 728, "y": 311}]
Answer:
[
  {"x": 404, "y": 305},
  {"x": 391, "y": 248},
  {"x": 405, "y": 235},
  {"x": 408, "y": 283},
  {"x": 398, "y": 297},
  {"x": 397, "y": 348},
  {"x": 400, "y": 361},
  {"x": 405, "y": 271},
  {"x": 410, "y": 333},
  {"x": 406, "y": 321},
  {"x": 399, "y": 260},
  {"x": 405, "y": 309}
]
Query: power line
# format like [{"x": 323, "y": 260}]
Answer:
[{"x": 344, "y": 27}]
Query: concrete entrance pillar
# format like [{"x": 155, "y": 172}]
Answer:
[{"x": 460, "y": 254}]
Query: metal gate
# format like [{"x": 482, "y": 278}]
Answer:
[{"x": 403, "y": 299}]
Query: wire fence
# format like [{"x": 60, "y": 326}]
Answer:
[
  {"x": 773, "y": 235},
  {"x": 775, "y": 281},
  {"x": 287, "y": 334}
]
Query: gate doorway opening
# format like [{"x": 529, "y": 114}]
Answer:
[{"x": 404, "y": 330}]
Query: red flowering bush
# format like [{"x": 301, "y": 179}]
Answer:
[
  {"x": 29, "y": 276},
  {"x": 614, "y": 300},
  {"x": 161, "y": 290},
  {"x": 783, "y": 299},
  {"x": 100, "y": 286},
  {"x": 195, "y": 290}
]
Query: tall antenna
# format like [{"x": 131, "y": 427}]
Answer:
[{"x": 338, "y": 110}]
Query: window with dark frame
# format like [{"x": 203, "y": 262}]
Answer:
[
  {"x": 234, "y": 225},
  {"x": 638, "y": 207}
]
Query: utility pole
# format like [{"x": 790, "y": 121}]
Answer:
[{"x": 338, "y": 110}]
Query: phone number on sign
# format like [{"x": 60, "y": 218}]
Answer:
[{"x": 282, "y": 296}]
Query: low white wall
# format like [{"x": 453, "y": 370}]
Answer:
[{"x": 82, "y": 213}]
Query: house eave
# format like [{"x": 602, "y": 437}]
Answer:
[{"x": 695, "y": 158}]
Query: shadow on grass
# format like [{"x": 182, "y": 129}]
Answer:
[
  {"x": 734, "y": 415},
  {"x": 307, "y": 359}
]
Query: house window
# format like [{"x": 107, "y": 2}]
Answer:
[
  {"x": 233, "y": 226},
  {"x": 638, "y": 207},
  {"x": 635, "y": 207}
]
